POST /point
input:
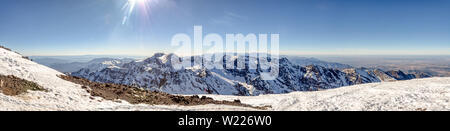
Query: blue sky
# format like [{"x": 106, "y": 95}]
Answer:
[{"x": 306, "y": 27}]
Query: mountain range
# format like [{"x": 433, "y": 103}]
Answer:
[
  {"x": 306, "y": 61},
  {"x": 52, "y": 93},
  {"x": 157, "y": 73}
]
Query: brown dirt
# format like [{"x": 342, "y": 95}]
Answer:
[
  {"x": 12, "y": 86},
  {"x": 5, "y": 48},
  {"x": 421, "y": 109},
  {"x": 135, "y": 95}
]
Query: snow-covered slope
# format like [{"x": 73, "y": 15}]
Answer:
[{"x": 411, "y": 95}]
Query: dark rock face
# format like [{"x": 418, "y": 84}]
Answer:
[
  {"x": 400, "y": 75},
  {"x": 421, "y": 75}
]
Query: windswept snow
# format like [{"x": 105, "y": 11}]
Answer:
[{"x": 417, "y": 94}]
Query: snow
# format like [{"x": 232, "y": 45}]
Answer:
[
  {"x": 410, "y": 95},
  {"x": 430, "y": 94}
]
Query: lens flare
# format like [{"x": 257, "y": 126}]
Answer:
[{"x": 136, "y": 6}]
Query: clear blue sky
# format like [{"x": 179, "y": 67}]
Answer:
[{"x": 353, "y": 27}]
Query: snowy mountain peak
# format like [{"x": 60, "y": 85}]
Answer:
[{"x": 159, "y": 59}]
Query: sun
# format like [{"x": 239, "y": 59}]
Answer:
[
  {"x": 130, "y": 8},
  {"x": 138, "y": 1}
]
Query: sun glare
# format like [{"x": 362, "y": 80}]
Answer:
[
  {"x": 139, "y": 1},
  {"x": 133, "y": 6}
]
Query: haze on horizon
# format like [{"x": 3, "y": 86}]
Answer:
[{"x": 306, "y": 27}]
